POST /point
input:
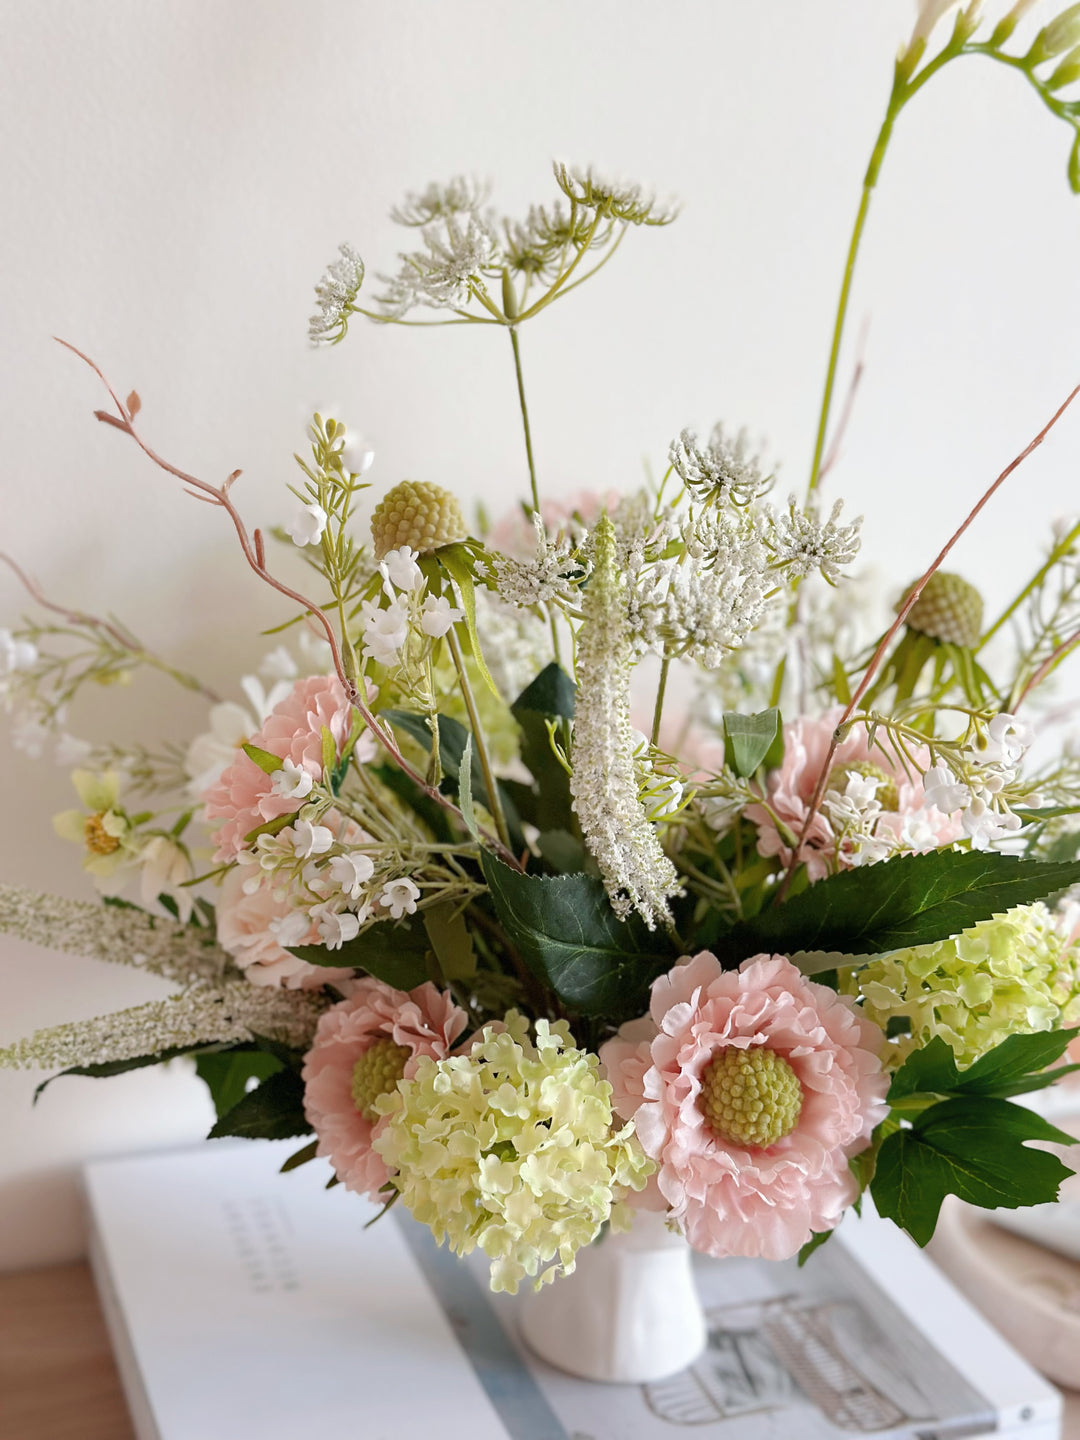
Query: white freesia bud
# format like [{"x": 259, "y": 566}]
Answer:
[
  {"x": 308, "y": 525},
  {"x": 400, "y": 897},
  {"x": 291, "y": 782},
  {"x": 335, "y": 927},
  {"x": 356, "y": 455},
  {"x": 309, "y": 839},
  {"x": 351, "y": 871},
  {"x": 438, "y": 616},
  {"x": 400, "y": 570},
  {"x": 16, "y": 654}
]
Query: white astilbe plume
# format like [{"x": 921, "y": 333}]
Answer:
[
  {"x": 636, "y": 872},
  {"x": 119, "y": 935},
  {"x": 336, "y": 295},
  {"x": 802, "y": 542},
  {"x": 201, "y": 1015}
]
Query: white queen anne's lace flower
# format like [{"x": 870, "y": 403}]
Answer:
[
  {"x": 802, "y": 542},
  {"x": 336, "y": 295}
]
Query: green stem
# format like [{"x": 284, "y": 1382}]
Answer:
[
  {"x": 525, "y": 418},
  {"x": 494, "y": 798},
  {"x": 661, "y": 689},
  {"x": 903, "y": 89},
  {"x": 1060, "y": 550}
]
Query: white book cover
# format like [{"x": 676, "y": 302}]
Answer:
[{"x": 246, "y": 1303}]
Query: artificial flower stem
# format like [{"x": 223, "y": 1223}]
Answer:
[
  {"x": 494, "y": 798},
  {"x": 661, "y": 690},
  {"x": 535, "y": 489},
  {"x": 1060, "y": 550}
]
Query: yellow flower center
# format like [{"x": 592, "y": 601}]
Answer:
[
  {"x": 98, "y": 840},
  {"x": 751, "y": 1097},
  {"x": 376, "y": 1073},
  {"x": 887, "y": 795}
]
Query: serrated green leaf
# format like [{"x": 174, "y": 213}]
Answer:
[
  {"x": 563, "y": 852},
  {"x": 226, "y": 1074},
  {"x": 749, "y": 738},
  {"x": 1017, "y": 1065},
  {"x": 455, "y": 561},
  {"x": 393, "y": 951},
  {"x": 974, "y": 1148},
  {"x": 265, "y": 759},
  {"x": 911, "y": 900},
  {"x": 274, "y": 1111},
  {"x": 571, "y": 939}
]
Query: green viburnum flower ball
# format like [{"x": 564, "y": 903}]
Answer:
[
  {"x": 949, "y": 609},
  {"x": 512, "y": 1148},
  {"x": 418, "y": 515},
  {"x": 1013, "y": 973}
]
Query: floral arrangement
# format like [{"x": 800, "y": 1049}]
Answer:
[{"x": 593, "y": 859}]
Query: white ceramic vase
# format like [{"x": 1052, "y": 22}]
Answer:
[{"x": 629, "y": 1313}]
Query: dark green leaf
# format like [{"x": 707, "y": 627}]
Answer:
[
  {"x": 814, "y": 1243},
  {"x": 265, "y": 759},
  {"x": 227, "y": 1072},
  {"x": 1017, "y": 1065},
  {"x": 912, "y": 900},
  {"x": 571, "y": 939},
  {"x": 393, "y": 951},
  {"x": 551, "y": 693},
  {"x": 275, "y": 1111},
  {"x": 108, "y": 1068},
  {"x": 451, "y": 941},
  {"x": 563, "y": 852},
  {"x": 301, "y": 1157},
  {"x": 973, "y": 1148},
  {"x": 749, "y": 738}
]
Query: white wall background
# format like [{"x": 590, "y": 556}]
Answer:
[{"x": 175, "y": 176}]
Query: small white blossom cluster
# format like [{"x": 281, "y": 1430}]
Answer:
[
  {"x": 460, "y": 253},
  {"x": 988, "y": 768},
  {"x": 802, "y": 543},
  {"x": 723, "y": 471},
  {"x": 404, "y": 609},
  {"x": 604, "y": 778},
  {"x": 625, "y": 201},
  {"x": 336, "y": 295},
  {"x": 337, "y": 887},
  {"x": 544, "y": 578},
  {"x": 705, "y": 602}
]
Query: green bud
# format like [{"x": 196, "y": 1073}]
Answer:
[
  {"x": 509, "y": 297},
  {"x": 1060, "y": 35},
  {"x": 1074, "y": 166},
  {"x": 1008, "y": 23},
  {"x": 1067, "y": 72}
]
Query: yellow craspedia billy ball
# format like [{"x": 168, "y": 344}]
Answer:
[
  {"x": 949, "y": 609},
  {"x": 419, "y": 515}
]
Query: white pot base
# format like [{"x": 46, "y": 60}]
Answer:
[{"x": 629, "y": 1314}]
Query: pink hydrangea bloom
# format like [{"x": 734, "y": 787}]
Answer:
[
  {"x": 425, "y": 1020},
  {"x": 790, "y": 789},
  {"x": 732, "y": 1199},
  {"x": 243, "y": 798},
  {"x": 243, "y": 929}
]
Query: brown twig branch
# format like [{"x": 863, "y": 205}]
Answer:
[
  {"x": 1047, "y": 665},
  {"x": 254, "y": 554},
  {"x": 122, "y": 639},
  {"x": 887, "y": 639}
]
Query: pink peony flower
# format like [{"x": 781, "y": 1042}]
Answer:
[
  {"x": 734, "y": 1196},
  {"x": 354, "y": 1055},
  {"x": 244, "y": 798},
  {"x": 790, "y": 788},
  {"x": 244, "y": 930}
]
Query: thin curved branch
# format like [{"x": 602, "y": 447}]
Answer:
[
  {"x": 254, "y": 554},
  {"x": 122, "y": 639},
  {"x": 887, "y": 638}
]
